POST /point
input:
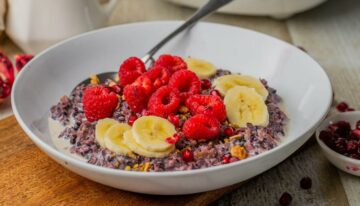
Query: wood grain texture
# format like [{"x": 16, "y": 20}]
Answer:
[
  {"x": 331, "y": 34},
  {"x": 29, "y": 177}
]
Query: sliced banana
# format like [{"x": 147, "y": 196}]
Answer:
[
  {"x": 150, "y": 132},
  {"x": 244, "y": 105},
  {"x": 101, "y": 127},
  {"x": 114, "y": 138},
  {"x": 226, "y": 82},
  {"x": 203, "y": 69},
  {"x": 135, "y": 147}
]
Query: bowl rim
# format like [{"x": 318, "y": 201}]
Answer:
[
  {"x": 99, "y": 169},
  {"x": 327, "y": 148}
]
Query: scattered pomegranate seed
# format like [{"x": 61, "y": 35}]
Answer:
[
  {"x": 132, "y": 119},
  {"x": 174, "y": 139},
  {"x": 117, "y": 89},
  {"x": 215, "y": 93},
  {"x": 285, "y": 199},
  {"x": 175, "y": 119},
  {"x": 342, "y": 106},
  {"x": 226, "y": 159},
  {"x": 229, "y": 131},
  {"x": 205, "y": 84},
  {"x": 187, "y": 155},
  {"x": 306, "y": 183}
]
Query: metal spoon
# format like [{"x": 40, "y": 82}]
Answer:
[{"x": 208, "y": 8}]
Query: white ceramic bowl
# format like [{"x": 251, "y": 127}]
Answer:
[
  {"x": 300, "y": 81},
  {"x": 276, "y": 8},
  {"x": 344, "y": 163}
]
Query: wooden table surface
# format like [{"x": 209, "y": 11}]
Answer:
[{"x": 331, "y": 35}]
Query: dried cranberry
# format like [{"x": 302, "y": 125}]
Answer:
[
  {"x": 342, "y": 106},
  {"x": 285, "y": 199},
  {"x": 306, "y": 183},
  {"x": 341, "y": 128},
  {"x": 205, "y": 84},
  {"x": 187, "y": 155}
]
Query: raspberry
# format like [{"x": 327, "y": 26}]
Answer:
[
  {"x": 21, "y": 60},
  {"x": 164, "y": 101},
  {"x": 201, "y": 126},
  {"x": 159, "y": 76},
  {"x": 173, "y": 63},
  {"x": 186, "y": 82},
  {"x": 99, "y": 102},
  {"x": 130, "y": 70},
  {"x": 136, "y": 97},
  {"x": 208, "y": 105},
  {"x": 144, "y": 82}
]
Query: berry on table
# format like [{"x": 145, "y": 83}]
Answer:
[
  {"x": 201, "y": 126},
  {"x": 164, "y": 101},
  {"x": 136, "y": 97},
  {"x": 342, "y": 106},
  {"x": 306, "y": 183},
  {"x": 173, "y": 63},
  {"x": 130, "y": 70},
  {"x": 99, "y": 102},
  {"x": 186, "y": 82},
  {"x": 208, "y": 105},
  {"x": 285, "y": 199}
]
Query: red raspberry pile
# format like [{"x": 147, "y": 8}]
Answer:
[
  {"x": 161, "y": 91},
  {"x": 342, "y": 139}
]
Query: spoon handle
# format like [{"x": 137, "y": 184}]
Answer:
[{"x": 208, "y": 8}]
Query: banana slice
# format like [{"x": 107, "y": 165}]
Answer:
[
  {"x": 129, "y": 140},
  {"x": 150, "y": 132},
  {"x": 201, "y": 68},
  {"x": 244, "y": 105},
  {"x": 101, "y": 127},
  {"x": 114, "y": 138},
  {"x": 226, "y": 82}
]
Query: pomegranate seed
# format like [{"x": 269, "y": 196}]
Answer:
[
  {"x": 306, "y": 183},
  {"x": 174, "y": 139},
  {"x": 175, "y": 119},
  {"x": 285, "y": 199},
  {"x": 229, "y": 131},
  {"x": 215, "y": 93},
  {"x": 341, "y": 128},
  {"x": 5, "y": 89},
  {"x": 226, "y": 159},
  {"x": 342, "y": 106},
  {"x": 205, "y": 84},
  {"x": 187, "y": 155},
  {"x": 117, "y": 89},
  {"x": 132, "y": 119}
]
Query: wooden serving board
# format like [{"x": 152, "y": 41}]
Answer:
[{"x": 29, "y": 177}]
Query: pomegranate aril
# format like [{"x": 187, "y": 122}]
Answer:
[
  {"x": 132, "y": 119},
  {"x": 342, "y": 106},
  {"x": 226, "y": 159},
  {"x": 215, "y": 93},
  {"x": 355, "y": 133},
  {"x": 306, "y": 183},
  {"x": 174, "y": 139},
  {"x": 341, "y": 128},
  {"x": 174, "y": 119},
  {"x": 187, "y": 155},
  {"x": 205, "y": 84},
  {"x": 117, "y": 89},
  {"x": 285, "y": 199},
  {"x": 229, "y": 131},
  {"x": 358, "y": 124},
  {"x": 5, "y": 89}
]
